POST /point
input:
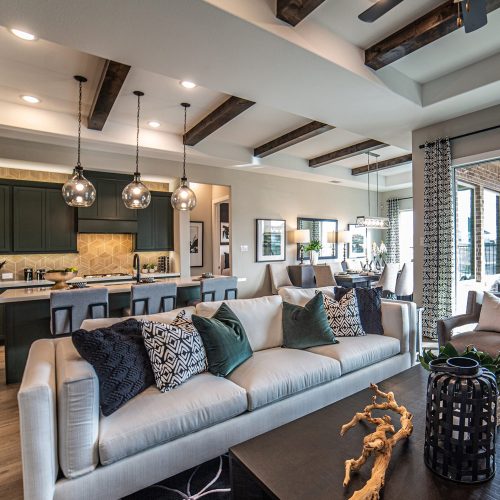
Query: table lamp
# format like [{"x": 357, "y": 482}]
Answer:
[
  {"x": 301, "y": 237},
  {"x": 344, "y": 237}
]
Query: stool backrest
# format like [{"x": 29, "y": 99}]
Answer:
[
  {"x": 69, "y": 308},
  {"x": 214, "y": 289},
  {"x": 152, "y": 298},
  {"x": 324, "y": 276},
  {"x": 279, "y": 276},
  {"x": 388, "y": 277},
  {"x": 404, "y": 282}
]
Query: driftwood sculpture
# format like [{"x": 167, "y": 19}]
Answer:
[{"x": 378, "y": 442}]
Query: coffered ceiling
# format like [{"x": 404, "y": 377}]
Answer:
[{"x": 314, "y": 71}]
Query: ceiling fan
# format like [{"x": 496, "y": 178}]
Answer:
[{"x": 471, "y": 14}]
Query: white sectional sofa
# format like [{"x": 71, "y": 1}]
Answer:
[{"x": 70, "y": 451}]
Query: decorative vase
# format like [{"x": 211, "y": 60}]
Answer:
[
  {"x": 313, "y": 257},
  {"x": 461, "y": 415},
  {"x": 60, "y": 278}
]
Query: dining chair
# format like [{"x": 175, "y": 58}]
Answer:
[
  {"x": 69, "y": 308},
  {"x": 404, "y": 282},
  {"x": 388, "y": 279},
  {"x": 214, "y": 289},
  {"x": 151, "y": 298},
  {"x": 336, "y": 267},
  {"x": 323, "y": 276},
  {"x": 279, "y": 277}
]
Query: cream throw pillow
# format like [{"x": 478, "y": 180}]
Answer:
[{"x": 489, "y": 319}]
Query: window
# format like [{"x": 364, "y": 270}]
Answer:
[
  {"x": 465, "y": 232},
  {"x": 491, "y": 232},
  {"x": 405, "y": 236}
]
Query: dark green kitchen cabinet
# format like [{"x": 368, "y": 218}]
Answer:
[
  {"x": 42, "y": 222},
  {"x": 5, "y": 219},
  {"x": 155, "y": 224}
]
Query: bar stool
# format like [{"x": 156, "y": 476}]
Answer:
[
  {"x": 69, "y": 308},
  {"x": 152, "y": 298},
  {"x": 214, "y": 289}
]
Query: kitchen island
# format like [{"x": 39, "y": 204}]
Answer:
[{"x": 25, "y": 315}]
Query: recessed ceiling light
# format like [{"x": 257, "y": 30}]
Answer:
[
  {"x": 154, "y": 124},
  {"x": 187, "y": 84},
  {"x": 24, "y": 35},
  {"x": 30, "y": 98}
]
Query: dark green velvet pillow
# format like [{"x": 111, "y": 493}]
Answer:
[
  {"x": 307, "y": 326},
  {"x": 225, "y": 340}
]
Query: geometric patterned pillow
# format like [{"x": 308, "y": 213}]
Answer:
[
  {"x": 343, "y": 315},
  {"x": 175, "y": 350}
]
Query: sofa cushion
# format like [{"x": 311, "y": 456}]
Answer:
[
  {"x": 153, "y": 417},
  {"x": 77, "y": 411},
  {"x": 343, "y": 315},
  {"x": 354, "y": 353},
  {"x": 225, "y": 340},
  {"x": 120, "y": 360},
  {"x": 489, "y": 317},
  {"x": 306, "y": 326},
  {"x": 486, "y": 341},
  {"x": 275, "y": 374},
  {"x": 260, "y": 317},
  {"x": 301, "y": 296}
]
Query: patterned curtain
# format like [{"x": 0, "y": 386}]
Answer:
[
  {"x": 438, "y": 270},
  {"x": 393, "y": 231}
]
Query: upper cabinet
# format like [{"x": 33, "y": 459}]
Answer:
[
  {"x": 5, "y": 219},
  {"x": 108, "y": 214},
  {"x": 41, "y": 221},
  {"x": 155, "y": 229}
]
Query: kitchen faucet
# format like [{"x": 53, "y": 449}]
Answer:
[{"x": 137, "y": 265}]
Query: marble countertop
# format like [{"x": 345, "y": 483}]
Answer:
[{"x": 39, "y": 293}]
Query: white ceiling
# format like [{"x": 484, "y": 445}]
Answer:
[{"x": 315, "y": 71}]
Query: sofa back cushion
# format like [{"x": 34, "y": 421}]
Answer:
[
  {"x": 301, "y": 296},
  {"x": 260, "y": 317},
  {"x": 78, "y": 411},
  {"x": 489, "y": 317}
]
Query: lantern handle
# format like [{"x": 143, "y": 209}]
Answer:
[{"x": 456, "y": 365}]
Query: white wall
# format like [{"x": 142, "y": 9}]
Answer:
[{"x": 466, "y": 150}]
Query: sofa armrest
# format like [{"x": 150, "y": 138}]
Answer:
[
  {"x": 446, "y": 326},
  {"x": 396, "y": 323},
  {"x": 38, "y": 422}
]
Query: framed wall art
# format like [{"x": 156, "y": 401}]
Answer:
[
  {"x": 196, "y": 243},
  {"x": 270, "y": 240}
]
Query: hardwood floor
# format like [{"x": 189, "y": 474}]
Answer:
[{"x": 11, "y": 485}]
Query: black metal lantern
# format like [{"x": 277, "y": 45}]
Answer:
[{"x": 461, "y": 420}]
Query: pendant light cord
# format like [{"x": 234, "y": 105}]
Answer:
[
  {"x": 369, "y": 207},
  {"x": 184, "y": 144},
  {"x": 137, "y": 136},
  {"x": 78, "y": 164},
  {"x": 377, "y": 185}
]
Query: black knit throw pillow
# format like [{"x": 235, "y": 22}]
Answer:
[{"x": 120, "y": 360}]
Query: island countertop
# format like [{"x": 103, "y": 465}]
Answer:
[{"x": 39, "y": 293}]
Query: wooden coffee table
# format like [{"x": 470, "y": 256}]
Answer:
[{"x": 304, "y": 460}]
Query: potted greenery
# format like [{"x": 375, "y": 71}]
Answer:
[
  {"x": 484, "y": 359},
  {"x": 313, "y": 247}
]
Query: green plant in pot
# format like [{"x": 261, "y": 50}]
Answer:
[{"x": 313, "y": 247}]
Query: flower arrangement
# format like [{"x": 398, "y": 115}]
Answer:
[{"x": 379, "y": 252}]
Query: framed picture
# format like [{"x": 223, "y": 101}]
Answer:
[
  {"x": 360, "y": 242},
  {"x": 319, "y": 229},
  {"x": 224, "y": 233},
  {"x": 270, "y": 240},
  {"x": 196, "y": 244}
]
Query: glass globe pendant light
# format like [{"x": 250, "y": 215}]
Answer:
[
  {"x": 136, "y": 195},
  {"x": 183, "y": 198},
  {"x": 79, "y": 191}
]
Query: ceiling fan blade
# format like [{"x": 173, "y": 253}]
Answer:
[
  {"x": 378, "y": 10},
  {"x": 476, "y": 17}
]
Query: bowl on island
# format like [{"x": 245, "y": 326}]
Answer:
[{"x": 60, "y": 276}]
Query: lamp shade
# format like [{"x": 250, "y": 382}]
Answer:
[
  {"x": 300, "y": 236},
  {"x": 344, "y": 237}
]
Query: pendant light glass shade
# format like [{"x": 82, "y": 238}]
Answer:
[
  {"x": 136, "y": 195},
  {"x": 183, "y": 198},
  {"x": 79, "y": 191}
]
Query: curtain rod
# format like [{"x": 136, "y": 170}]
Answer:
[
  {"x": 422, "y": 146},
  {"x": 401, "y": 199}
]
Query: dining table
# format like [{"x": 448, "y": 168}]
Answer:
[{"x": 358, "y": 280}]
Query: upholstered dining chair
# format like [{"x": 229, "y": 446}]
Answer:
[
  {"x": 336, "y": 267},
  {"x": 214, "y": 289},
  {"x": 404, "y": 282},
  {"x": 388, "y": 279},
  {"x": 152, "y": 298},
  {"x": 69, "y": 308},
  {"x": 323, "y": 276},
  {"x": 279, "y": 277}
]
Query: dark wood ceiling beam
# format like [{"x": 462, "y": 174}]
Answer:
[
  {"x": 300, "y": 134},
  {"x": 341, "y": 154},
  {"x": 112, "y": 78},
  {"x": 294, "y": 11},
  {"x": 383, "y": 165},
  {"x": 432, "y": 26},
  {"x": 228, "y": 110}
]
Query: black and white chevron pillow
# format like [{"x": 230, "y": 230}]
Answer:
[
  {"x": 343, "y": 315},
  {"x": 175, "y": 350}
]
